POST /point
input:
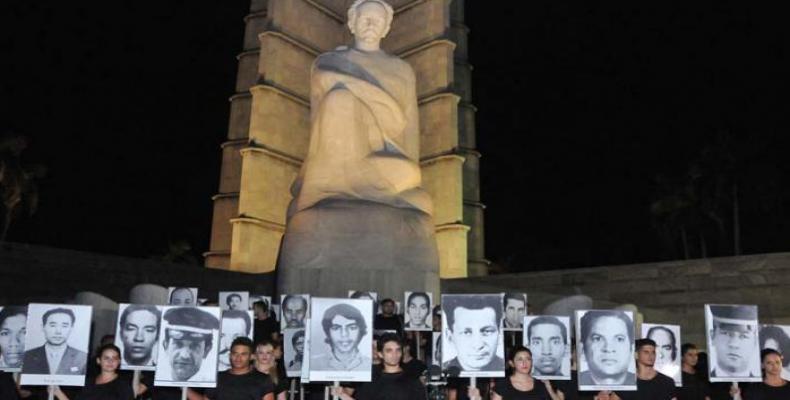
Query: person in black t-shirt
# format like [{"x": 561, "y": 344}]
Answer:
[
  {"x": 520, "y": 385},
  {"x": 266, "y": 363},
  {"x": 107, "y": 385},
  {"x": 8, "y": 387},
  {"x": 650, "y": 384},
  {"x": 694, "y": 387},
  {"x": 388, "y": 320},
  {"x": 410, "y": 364},
  {"x": 241, "y": 381},
  {"x": 266, "y": 327},
  {"x": 392, "y": 383},
  {"x": 773, "y": 387}
]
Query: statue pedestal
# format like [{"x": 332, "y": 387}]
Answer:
[{"x": 341, "y": 245}]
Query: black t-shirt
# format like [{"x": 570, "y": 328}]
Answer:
[
  {"x": 661, "y": 387},
  {"x": 504, "y": 388},
  {"x": 694, "y": 388},
  {"x": 250, "y": 386},
  {"x": 282, "y": 382},
  {"x": 116, "y": 389},
  {"x": 761, "y": 391},
  {"x": 265, "y": 328},
  {"x": 393, "y": 323},
  {"x": 461, "y": 386},
  {"x": 389, "y": 386},
  {"x": 414, "y": 367},
  {"x": 8, "y": 387},
  {"x": 569, "y": 388}
]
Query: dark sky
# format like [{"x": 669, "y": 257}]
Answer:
[{"x": 581, "y": 108}]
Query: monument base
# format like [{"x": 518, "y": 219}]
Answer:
[{"x": 339, "y": 245}]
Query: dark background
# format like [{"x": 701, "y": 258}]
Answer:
[{"x": 608, "y": 132}]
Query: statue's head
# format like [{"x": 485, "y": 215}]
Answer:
[{"x": 369, "y": 20}]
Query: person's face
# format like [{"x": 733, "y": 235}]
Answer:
[
  {"x": 182, "y": 297},
  {"x": 388, "y": 308},
  {"x": 514, "y": 312},
  {"x": 733, "y": 344},
  {"x": 294, "y": 312},
  {"x": 772, "y": 364},
  {"x": 418, "y": 310},
  {"x": 186, "y": 354},
  {"x": 57, "y": 328},
  {"x": 240, "y": 357},
  {"x": 344, "y": 334},
  {"x": 646, "y": 356},
  {"x": 138, "y": 335},
  {"x": 664, "y": 346},
  {"x": 522, "y": 362},
  {"x": 299, "y": 345},
  {"x": 691, "y": 357},
  {"x": 391, "y": 353},
  {"x": 234, "y": 303},
  {"x": 231, "y": 329},
  {"x": 548, "y": 347},
  {"x": 437, "y": 322},
  {"x": 608, "y": 348},
  {"x": 264, "y": 354},
  {"x": 109, "y": 361},
  {"x": 475, "y": 334},
  {"x": 12, "y": 339},
  {"x": 371, "y": 22}
]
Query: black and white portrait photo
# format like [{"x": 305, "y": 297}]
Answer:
[
  {"x": 775, "y": 337},
  {"x": 182, "y": 296},
  {"x": 472, "y": 338},
  {"x": 56, "y": 344},
  {"x": 234, "y": 300},
  {"x": 417, "y": 315},
  {"x": 668, "y": 357},
  {"x": 137, "y": 335},
  {"x": 733, "y": 343},
  {"x": 341, "y": 340},
  {"x": 294, "y": 341},
  {"x": 294, "y": 308},
  {"x": 360, "y": 294},
  {"x": 254, "y": 298},
  {"x": 13, "y": 321},
  {"x": 605, "y": 346},
  {"x": 233, "y": 324},
  {"x": 514, "y": 309},
  {"x": 188, "y": 346},
  {"x": 548, "y": 338}
]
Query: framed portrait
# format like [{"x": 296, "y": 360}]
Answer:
[
  {"x": 294, "y": 310},
  {"x": 472, "y": 336},
  {"x": 260, "y": 297},
  {"x": 182, "y": 296},
  {"x": 234, "y": 300},
  {"x": 294, "y": 346},
  {"x": 361, "y": 294},
  {"x": 732, "y": 332},
  {"x": 137, "y": 335},
  {"x": 13, "y": 328},
  {"x": 60, "y": 329},
  {"x": 188, "y": 347},
  {"x": 417, "y": 315},
  {"x": 668, "y": 357},
  {"x": 777, "y": 337},
  {"x": 549, "y": 339},
  {"x": 233, "y": 324},
  {"x": 341, "y": 339},
  {"x": 514, "y": 309},
  {"x": 605, "y": 347}
]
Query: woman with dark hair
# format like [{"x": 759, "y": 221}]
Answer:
[
  {"x": 774, "y": 337},
  {"x": 773, "y": 387},
  {"x": 107, "y": 385},
  {"x": 520, "y": 385}
]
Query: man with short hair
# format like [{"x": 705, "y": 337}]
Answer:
[
  {"x": 607, "y": 344},
  {"x": 344, "y": 327},
  {"x": 515, "y": 306},
  {"x": 55, "y": 357},
  {"x": 650, "y": 384},
  {"x": 547, "y": 338},
  {"x": 182, "y": 296},
  {"x": 234, "y": 324},
  {"x": 297, "y": 341},
  {"x": 241, "y": 381},
  {"x": 694, "y": 388},
  {"x": 393, "y": 383},
  {"x": 734, "y": 338},
  {"x": 388, "y": 320},
  {"x": 473, "y": 328},
  {"x": 233, "y": 301},
  {"x": 188, "y": 341},
  {"x": 139, "y": 327},
  {"x": 294, "y": 311},
  {"x": 266, "y": 327}
]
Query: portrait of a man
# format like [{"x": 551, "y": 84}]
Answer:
[
  {"x": 57, "y": 344},
  {"x": 360, "y": 294},
  {"x": 233, "y": 324},
  {"x": 547, "y": 336},
  {"x": 605, "y": 339},
  {"x": 260, "y": 297},
  {"x": 294, "y": 343},
  {"x": 471, "y": 335},
  {"x": 514, "y": 308},
  {"x": 234, "y": 300},
  {"x": 13, "y": 321},
  {"x": 182, "y": 296},
  {"x": 188, "y": 346},
  {"x": 341, "y": 340},
  {"x": 294, "y": 309},
  {"x": 777, "y": 337},
  {"x": 733, "y": 343},
  {"x": 417, "y": 315},
  {"x": 667, "y": 338},
  {"x": 137, "y": 335}
]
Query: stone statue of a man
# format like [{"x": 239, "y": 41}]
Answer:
[{"x": 357, "y": 203}]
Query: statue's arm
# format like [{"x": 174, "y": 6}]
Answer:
[{"x": 411, "y": 111}]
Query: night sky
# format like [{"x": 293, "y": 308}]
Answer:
[{"x": 587, "y": 114}]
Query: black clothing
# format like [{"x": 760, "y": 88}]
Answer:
[
  {"x": 761, "y": 391},
  {"x": 393, "y": 323},
  {"x": 694, "y": 388},
  {"x": 392, "y": 386},
  {"x": 569, "y": 388},
  {"x": 265, "y": 328},
  {"x": 116, "y": 389},
  {"x": 504, "y": 387},
  {"x": 250, "y": 386},
  {"x": 661, "y": 387},
  {"x": 461, "y": 386},
  {"x": 8, "y": 387},
  {"x": 282, "y": 384},
  {"x": 414, "y": 368}
]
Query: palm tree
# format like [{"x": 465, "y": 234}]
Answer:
[{"x": 18, "y": 183}]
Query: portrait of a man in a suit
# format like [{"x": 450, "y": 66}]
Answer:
[{"x": 55, "y": 357}]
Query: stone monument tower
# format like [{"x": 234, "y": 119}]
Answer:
[{"x": 269, "y": 129}]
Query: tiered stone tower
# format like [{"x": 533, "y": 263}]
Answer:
[{"x": 268, "y": 131}]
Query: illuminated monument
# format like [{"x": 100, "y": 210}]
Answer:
[{"x": 270, "y": 122}]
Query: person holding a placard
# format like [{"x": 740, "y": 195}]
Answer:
[
  {"x": 241, "y": 381},
  {"x": 520, "y": 385},
  {"x": 266, "y": 364},
  {"x": 773, "y": 387},
  {"x": 107, "y": 385},
  {"x": 388, "y": 320},
  {"x": 650, "y": 384},
  {"x": 12, "y": 336},
  {"x": 266, "y": 327},
  {"x": 694, "y": 387}
]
